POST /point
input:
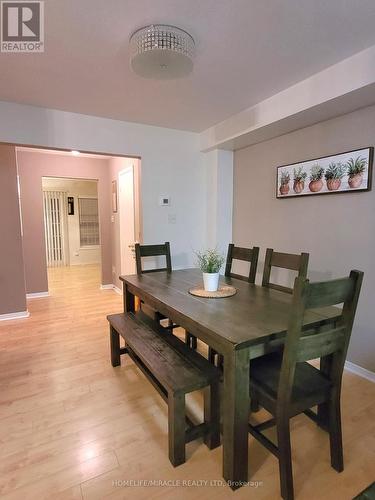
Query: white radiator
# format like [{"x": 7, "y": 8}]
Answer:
[{"x": 55, "y": 223}]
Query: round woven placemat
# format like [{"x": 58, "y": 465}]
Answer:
[{"x": 221, "y": 293}]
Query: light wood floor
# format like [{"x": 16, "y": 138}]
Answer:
[{"x": 72, "y": 427}]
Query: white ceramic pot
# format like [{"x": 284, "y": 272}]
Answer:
[{"x": 211, "y": 281}]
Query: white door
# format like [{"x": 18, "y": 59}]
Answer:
[{"x": 127, "y": 220}]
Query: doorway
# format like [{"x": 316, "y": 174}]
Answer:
[
  {"x": 71, "y": 221},
  {"x": 47, "y": 218}
]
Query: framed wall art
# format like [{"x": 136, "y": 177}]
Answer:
[
  {"x": 339, "y": 173},
  {"x": 114, "y": 196}
]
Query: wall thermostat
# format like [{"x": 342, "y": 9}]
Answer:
[{"x": 164, "y": 201}]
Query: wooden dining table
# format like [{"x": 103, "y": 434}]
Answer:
[{"x": 242, "y": 327}]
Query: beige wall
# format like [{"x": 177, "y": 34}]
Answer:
[
  {"x": 337, "y": 230},
  {"x": 12, "y": 279}
]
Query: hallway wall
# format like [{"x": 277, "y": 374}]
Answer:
[{"x": 12, "y": 279}]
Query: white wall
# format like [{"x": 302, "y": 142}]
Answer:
[
  {"x": 171, "y": 165},
  {"x": 77, "y": 189}
]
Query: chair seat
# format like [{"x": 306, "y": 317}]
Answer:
[{"x": 310, "y": 385}]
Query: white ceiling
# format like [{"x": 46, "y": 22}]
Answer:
[{"x": 247, "y": 50}]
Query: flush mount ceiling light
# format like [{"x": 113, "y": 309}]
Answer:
[{"x": 162, "y": 52}]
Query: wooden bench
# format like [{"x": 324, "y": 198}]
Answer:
[{"x": 174, "y": 370}]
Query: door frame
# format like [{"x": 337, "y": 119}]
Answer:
[{"x": 135, "y": 168}]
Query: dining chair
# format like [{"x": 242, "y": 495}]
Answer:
[
  {"x": 153, "y": 251},
  {"x": 293, "y": 262},
  {"x": 242, "y": 254},
  {"x": 286, "y": 385},
  {"x": 144, "y": 251}
]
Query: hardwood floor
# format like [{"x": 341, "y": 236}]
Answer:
[{"x": 73, "y": 427}]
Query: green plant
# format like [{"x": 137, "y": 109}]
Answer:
[
  {"x": 335, "y": 171},
  {"x": 316, "y": 172},
  {"x": 299, "y": 175},
  {"x": 210, "y": 261},
  {"x": 285, "y": 177},
  {"x": 357, "y": 166}
]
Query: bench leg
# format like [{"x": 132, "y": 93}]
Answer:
[
  {"x": 176, "y": 428},
  {"x": 115, "y": 347},
  {"x": 191, "y": 340},
  {"x": 212, "y": 415}
]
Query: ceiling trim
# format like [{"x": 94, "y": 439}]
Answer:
[{"x": 337, "y": 90}]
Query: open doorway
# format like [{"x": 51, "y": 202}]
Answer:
[{"x": 70, "y": 220}]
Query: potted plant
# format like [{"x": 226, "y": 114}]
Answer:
[
  {"x": 355, "y": 169},
  {"x": 284, "y": 183},
  {"x": 210, "y": 263},
  {"x": 334, "y": 173},
  {"x": 316, "y": 175},
  {"x": 299, "y": 177}
]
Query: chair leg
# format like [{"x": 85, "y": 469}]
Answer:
[
  {"x": 285, "y": 459},
  {"x": 212, "y": 415},
  {"x": 335, "y": 435},
  {"x": 254, "y": 403},
  {"x": 211, "y": 355},
  {"x": 191, "y": 340},
  {"x": 115, "y": 347},
  {"x": 220, "y": 361},
  {"x": 176, "y": 428}
]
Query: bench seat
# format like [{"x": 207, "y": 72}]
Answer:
[{"x": 174, "y": 370}]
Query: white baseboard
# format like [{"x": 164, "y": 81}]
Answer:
[
  {"x": 106, "y": 287},
  {"x": 15, "y": 315},
  {"x": 358, "y": 370},
  {"x": 37, "y": 295},
  {"x": 111, "y": 286}
]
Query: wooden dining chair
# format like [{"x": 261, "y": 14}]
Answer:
[
  {"x": 144, "y": 251},
  {"x": 153, "y": 251},
  {"x": 242, "y": 254},
  {"x": 286, "y": 385},
  {"x": 293, "y": 262}
]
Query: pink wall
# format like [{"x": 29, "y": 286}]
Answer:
[
  {"x": 12, "y": 279},
  {"x": 32, "y": 166}
]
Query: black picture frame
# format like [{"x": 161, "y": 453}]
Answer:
[{"x": 346, "y": 184}]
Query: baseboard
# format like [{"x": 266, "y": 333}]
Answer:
[
  {"x": 358, "y": 370},
  {"x": 111, "y": 286},
  {"x": 15, "y": 315},
  {"x": 106, "y": 287},
  {"x": 37, "y": 295}
]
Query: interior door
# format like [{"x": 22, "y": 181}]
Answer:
[{"x": 127, "y": 220}]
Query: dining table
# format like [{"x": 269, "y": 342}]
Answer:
[{"x": 249, "y": 324}]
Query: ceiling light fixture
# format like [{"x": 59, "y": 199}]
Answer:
[
  {"x": 162, "y": 52},
  {"x": 75, "y": 153}
]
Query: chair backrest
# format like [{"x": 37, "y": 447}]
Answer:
[
  {"x": 245, "y": 254},
  {"x": 153, "y": 251},
  {"x": 293, "y": 262},
  {"x": 332, "y": 340}
]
